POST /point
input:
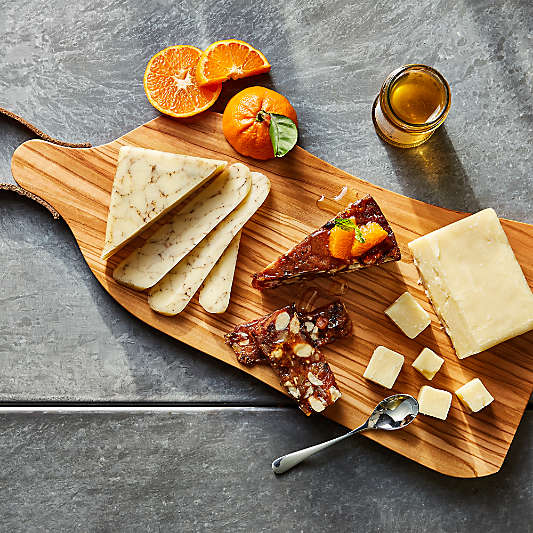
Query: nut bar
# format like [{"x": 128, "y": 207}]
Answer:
[
  {"x": 301, "y": 368},
  {"x": 312, "y": 256},
  {"x": 324, "y": 325}
]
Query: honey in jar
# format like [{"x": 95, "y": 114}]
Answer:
[{"x": 414, "y": 101}]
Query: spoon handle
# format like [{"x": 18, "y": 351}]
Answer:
[{"x": 286, "y": 462}]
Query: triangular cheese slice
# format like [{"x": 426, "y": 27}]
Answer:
[
  {"x": 311, "y": 257},
  {"x": 148, "y": 184}
]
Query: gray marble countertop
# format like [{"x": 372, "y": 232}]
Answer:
[{"x": 75, "y": 70}]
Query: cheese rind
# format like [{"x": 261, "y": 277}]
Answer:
[
  {"x": 474, "y": 396},
  {"x": 428, "y": 363},
  {"x": 384, "y": 367},
  {"x": 474, "y": 282},
  {"x": 215, "y": 292},
  {"x": 144, "y": 267},
  {"x": 434, "y": 402},
  {"x": 172, "y": 294},
  {"x": 408, "y": 315},
  {"x": 147, "y": 184}
]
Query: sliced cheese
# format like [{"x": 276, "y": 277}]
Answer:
[
  {"x": 171, "y": 295},
  {"x": 408, "y": 315},
  {"x": 147, "y": 184},
  {"x": 216, "y": 290},
  {"x": 434, "y": 402},
  {"x": 172, "y": 242},
  {"x": 474, "y": 282},
  {"x": 384, "y": 367}
]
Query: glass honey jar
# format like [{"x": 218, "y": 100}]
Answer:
[{"x": 413, "y": 102}]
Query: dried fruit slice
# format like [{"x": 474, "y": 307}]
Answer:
[
  {"x": 230, "y": 58},
  {"x": 312, "y": 256},
  {"x": 302, "y": 369},
  {"x": 324, "y": 325},
  {"x": 171, "y": 86}
]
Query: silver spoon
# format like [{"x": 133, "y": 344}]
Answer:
[{"x": 394, "y": 412}]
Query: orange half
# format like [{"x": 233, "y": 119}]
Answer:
[
  {"x": 230, "y": 59},
  {"x": 171, "y": 86}
]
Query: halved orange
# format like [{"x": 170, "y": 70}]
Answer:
[
  {"x": 230, "y": 58},
  {"x": 171, "y": 86}
]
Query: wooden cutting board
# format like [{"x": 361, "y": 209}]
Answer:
[{"x": 77, "y": 182}]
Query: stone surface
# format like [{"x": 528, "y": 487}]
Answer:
[
  {"x": 75, "y": 70},
  {"x": 209, "y": 470}
]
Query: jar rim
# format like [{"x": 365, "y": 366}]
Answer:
[{"x": 393, "y": 77}]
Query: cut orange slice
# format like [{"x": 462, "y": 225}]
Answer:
[
  {"x": 171, "y": 86},
  {"x": 230, "y": 59}
]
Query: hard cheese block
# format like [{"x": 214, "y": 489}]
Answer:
[
  {"x": 434, "y": 402},
  {"x": 474, "y": 282},
  {"x": 147, "y": 184},
  {"x": 384, "y": 367},
  {"x": 193, "y": 221},
  {"x": 428, "y": 363},
  {"x": 474, "y": 395},
  {"x": 408, "y": 315}
]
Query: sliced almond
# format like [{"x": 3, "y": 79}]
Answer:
[
  {"x": 293, "y": 391},
  {"x": 282, "y": 321},
  {"x": 295, "y": 325},
  {"x": 334, "y": 393},
  {"x": 303, "y": 350},
  {"x": 313, "y": 379},
  {"x": 309, "y": 326},
  {"x": 316, "y": 404}
]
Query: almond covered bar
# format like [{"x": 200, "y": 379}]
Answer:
[
  {"x": 324, "y": 325},
  {"x": 300, "y": 366}
]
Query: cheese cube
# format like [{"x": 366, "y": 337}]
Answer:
[
  {"x": 408, "y": 315},
  {"x": 384, "y": 367},
  {"x": 434, "y": 402},
  {"x": 428, "y": 363},
  {"x": 474, "y": 282},
  {"x": 474, "y": 395}
]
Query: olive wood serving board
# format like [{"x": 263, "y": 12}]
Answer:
[{"x": 77, "y": 183}]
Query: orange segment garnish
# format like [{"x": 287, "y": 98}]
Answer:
[
  {"x": 230, "y": 59},
  {"x": 373, "y": 234},
  {"x": 171, "y": 86},
  {"x": 340, "y": 242}
]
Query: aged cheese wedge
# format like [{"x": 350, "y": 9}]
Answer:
[
  {"x": 147, "y": 184},
  {"x": 171, "y": 295},
  {"x": 474, "y": 282},
  {"x": 195, "y": 219},
  {"x": 216, "y": 290}
]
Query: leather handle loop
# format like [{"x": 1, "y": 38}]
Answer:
[
  {"x": 45, "y": 137},
  {"x": 41, "y": 133}
]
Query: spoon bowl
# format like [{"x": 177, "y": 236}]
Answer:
[{"x": 394, "y": 412}]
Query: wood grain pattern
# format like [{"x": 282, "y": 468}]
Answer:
[{"x": 77, "y": 182}]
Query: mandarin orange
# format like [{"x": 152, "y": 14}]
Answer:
[
  {"x": 246, "y": 128},
  {"x": 171, "y": 86},
  {"x": 230, "y": 58}
]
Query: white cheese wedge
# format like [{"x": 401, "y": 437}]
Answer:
[
  {"x": 474, "y": 396},
  {"x": 172, "y": 294},
  {"x": 428, "y": 363},
  {"x": 193, "y": 221},
  {"x": 384, "y": 367},
  {"x": 148, "y": 184},
  {"x": 408, "y": 315},
  {"x": 215, "y": 292},
  {"x": 434, "y": 402},
  {"x": 474, "y": 282}
]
